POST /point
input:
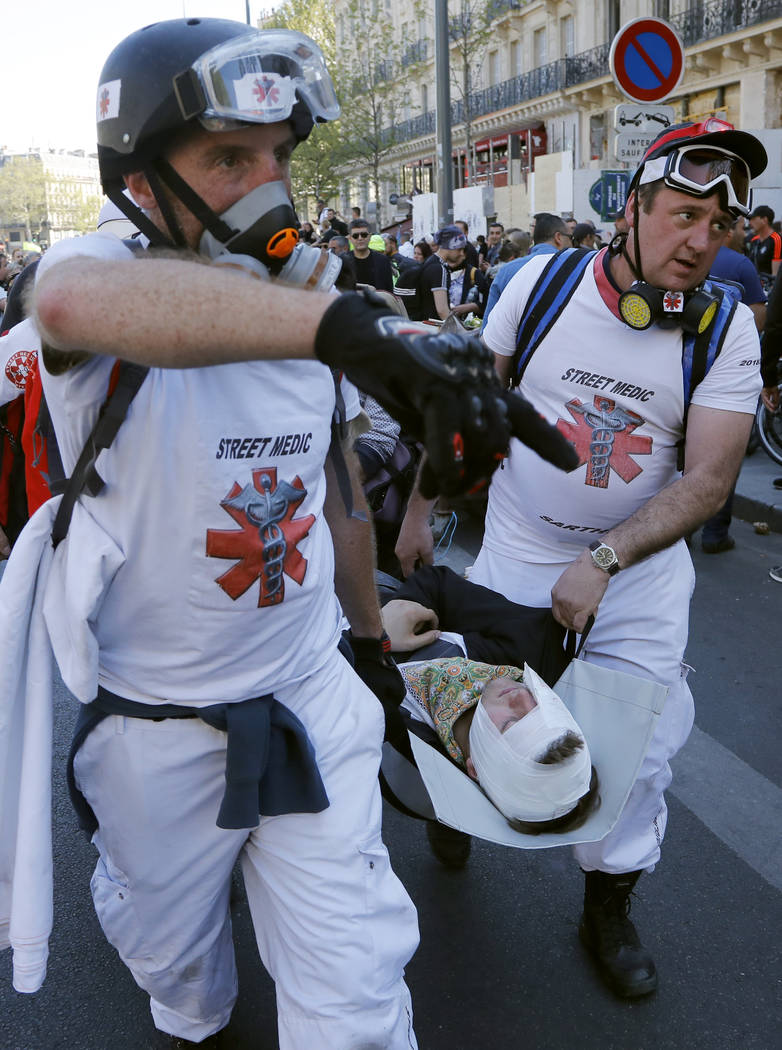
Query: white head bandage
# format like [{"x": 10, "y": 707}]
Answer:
[{"x": 508, "y": 765}]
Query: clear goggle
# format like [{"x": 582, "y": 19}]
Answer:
[
  {"x": 258, "y": 78},
  {"x": 700, "y": 170}
]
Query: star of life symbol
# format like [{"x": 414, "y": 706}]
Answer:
[
  {"x": 673, "y": 302},
  {"x": 604, "y": 439},
  {"x": 104, "y": 102},
  {"x": 20, "y": 366},
  {"x": 266, "y": 91},
  {"x": 265, "y": 545}
]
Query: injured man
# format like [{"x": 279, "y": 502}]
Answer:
[
  {"x": 512, "y": 734},
  {"x": 511, "y": 756}
]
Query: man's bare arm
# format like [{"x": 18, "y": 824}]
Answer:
[
  {"x": 759, "y": 313},
  {"x": 354, "y": 554},
  {"x": 173, "y": 313},
  {"x": 716, "y": 441}
]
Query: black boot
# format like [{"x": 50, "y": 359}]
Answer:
[
  {"x": 610, "y": 937},
  {"x": 451, "y": 847}
]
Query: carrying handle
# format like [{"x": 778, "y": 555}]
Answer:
[{"x": 571, "y": 651}]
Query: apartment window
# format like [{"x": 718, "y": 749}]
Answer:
[
  {"x": 613, "y": 17},
  {"x": 424, "y": 98},
  {"x": 567, "y": 28},
  {"x": 662, "y": 9},
  {"x": 494, "y": 67},
  {"x": 514, "y": 56},
  {"x": 539, "y": 47}
]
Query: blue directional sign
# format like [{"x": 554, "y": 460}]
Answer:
[{"x": 608, "y": 195}]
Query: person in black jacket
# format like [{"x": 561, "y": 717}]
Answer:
[{"x": 372, "y": 268}]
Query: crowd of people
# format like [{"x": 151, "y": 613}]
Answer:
[{"x": 234, "y": 675}]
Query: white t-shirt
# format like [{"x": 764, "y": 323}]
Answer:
[
  {"x": 214, "y": 495},
  {"x": 618, "y": 395}
]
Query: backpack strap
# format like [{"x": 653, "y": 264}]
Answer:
[
  {"x": 700, "y": 352},
  {"x": 339, "y": 432},
  {"x": 85, "y": 477},
  {"x": 553, "y": 290}
]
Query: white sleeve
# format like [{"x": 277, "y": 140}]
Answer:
[
  {"x": 18, "y": 351},
  {"x": 350, "y": 397},
  {"x": 733, "y": 382},
  {"x": 503, "y": 324},
  {"x": 104, "y": 246}
]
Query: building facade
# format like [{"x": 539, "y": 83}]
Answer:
[
  {"x": 533, "y": 115},
  {"x": 63, "y": 196}
]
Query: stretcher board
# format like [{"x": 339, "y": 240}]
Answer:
[{"x": 617, "y": 713}]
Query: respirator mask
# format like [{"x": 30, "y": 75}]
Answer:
[{"x": 265, "y": 241}]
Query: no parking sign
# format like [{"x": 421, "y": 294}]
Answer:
[{"x": 647, "y": 59}]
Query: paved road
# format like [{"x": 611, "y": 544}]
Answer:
[{"x": 500, "y": 964}]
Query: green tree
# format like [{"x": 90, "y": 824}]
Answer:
[
  {"x": 314, "y": 172},
  {"x": 23, "y": 193},
  {"x": 470, "y": 30},
  {"x": 373, "y": 86}
]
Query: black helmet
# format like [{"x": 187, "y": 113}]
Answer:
[{"x": 200, "y": 71}]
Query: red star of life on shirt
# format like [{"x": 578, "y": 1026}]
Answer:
[
  {"x": 105, "y": 98},
  {"x": 265, "y": 545},
  {"x": 20, "y": 366},
  {"x": 603, "y": 437}
]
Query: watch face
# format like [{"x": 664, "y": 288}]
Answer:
[{"x": 604, "y": 557}]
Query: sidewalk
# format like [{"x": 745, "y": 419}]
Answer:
[{"x": 756, "y": 498}]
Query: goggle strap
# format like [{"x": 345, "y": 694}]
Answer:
[
  {"x": 197, "y": 205},
  {"x": 165, "y": 206},
  {"x": 189, "y": 94}
]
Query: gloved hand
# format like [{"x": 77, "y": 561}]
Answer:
[
  {"x": 440, "y": 387},
  {"x": 373, "y": 663}
]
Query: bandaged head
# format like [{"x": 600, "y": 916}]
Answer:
[{"x": 509, "y": 767}]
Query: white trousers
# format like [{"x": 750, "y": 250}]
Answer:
[
  {"x": 334, "y": 925},
  {"x": 641, "y": 629}
]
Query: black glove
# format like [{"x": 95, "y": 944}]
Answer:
[
  {"x": 440, "y": 387},
  {"x": 373, "y": 663}
]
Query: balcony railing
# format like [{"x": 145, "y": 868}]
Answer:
[
  {"x": 702, "y": 21},
  {"x": 712, "y": 18},
  {"x": 414, "y": 53}
]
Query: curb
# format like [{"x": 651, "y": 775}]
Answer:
[{"x": 749, "y": 509}]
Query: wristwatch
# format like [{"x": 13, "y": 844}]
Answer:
[{"x": 604, "y": 557}]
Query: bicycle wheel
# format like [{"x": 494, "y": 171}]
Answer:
[{"x": 769, "y": 426}]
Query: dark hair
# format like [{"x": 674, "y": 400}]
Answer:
[
  {"x": 567, "y": 745},
  {"x": 763, "y": 212},
  {"x": 346, "y": 278},
  {"x": 546, "y": 225},
  {"x": 426, "y": 249},
  {"x": 358, "y": 224},
  {"x": 648, "y": 193},
  {"x": 586, "y": 805},
  {"x": 497, "y": 225},
  {"x": 509, "y": 251}
]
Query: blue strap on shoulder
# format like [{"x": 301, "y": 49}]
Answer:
[
  {"x": 547, "y": 300},
  {"x": 700, "y": 352}
]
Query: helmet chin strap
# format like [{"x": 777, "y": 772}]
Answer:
[
  {"x": 140, "y": 219},
  {"x": 157, "y": 172},
  {"x": 209, "y": 219},
  {"x": 165, "y": 206}
]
